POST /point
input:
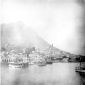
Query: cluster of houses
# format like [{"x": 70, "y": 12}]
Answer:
[
  {"x": 12, "y": 57},
  {"x": 32, "y": 56},
  {"x": 21, "y": 57}
]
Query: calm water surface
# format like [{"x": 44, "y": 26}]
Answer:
[{"x": 55, "y": 74}]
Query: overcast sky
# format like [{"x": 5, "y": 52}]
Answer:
[{"x": 57, "y": 21}]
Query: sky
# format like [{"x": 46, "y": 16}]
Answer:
[{"x": 59, "y": 22}]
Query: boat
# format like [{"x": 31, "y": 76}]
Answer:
[{"x": 81, "y": 69}]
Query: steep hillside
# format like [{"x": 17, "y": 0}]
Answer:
[{"x": 19, "y": 35}]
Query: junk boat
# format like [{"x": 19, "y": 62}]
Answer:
[{"x": 81, "y": 69}]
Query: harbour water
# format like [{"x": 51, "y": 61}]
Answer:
[{"x": 55, "y": 74}]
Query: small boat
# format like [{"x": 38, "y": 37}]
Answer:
[
  {"x": 41, "y": 63},
  {"x": 49, "y": 62},
  {"x": 18, "y": 64}
]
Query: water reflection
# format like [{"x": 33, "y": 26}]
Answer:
[{"x": 56, "y": 74}]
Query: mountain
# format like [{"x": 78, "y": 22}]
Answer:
[
  {"x": 20, "y": 36},
  {"x": 17, "y": 34}
]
